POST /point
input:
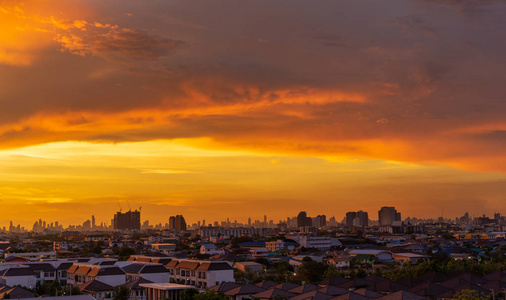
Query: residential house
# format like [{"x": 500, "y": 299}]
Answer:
[
  {"x": 18, "y": 276},
  {"x": 412, "y": 258},
  {"x": 78, "y": 274},
  {"x": 137, "y": 292},
  {"x": 97, "y": 289},
  {"x": 211, "y": 249},
  {"x": 381, "y": 255},
  {"x": 251, "y": 265},
  {"x": 7, "y": 292},
  {"x": 164, "y": 291},
  {"x": 153, "y": 272},
  {"x": 200, "y": 273}
]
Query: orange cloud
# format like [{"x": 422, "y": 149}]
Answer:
[{"x": 28, "y": 26}]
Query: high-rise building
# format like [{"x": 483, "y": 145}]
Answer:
[
  {"x": 172, "y": 223},
  {"x": 363, "y": 218},
  {"x": 303, "y": 220},
  {"x": 350, "y": 216},
  {"x": 177, "y": 223},
  {"x": 87, "y": 225},
  {"x": 180, "y": 223},
  {"x": 322, "y": 220},
  {"x": 130, "y": 220},
  {"x": 387, "y": 215}
]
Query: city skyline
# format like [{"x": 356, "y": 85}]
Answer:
[
  {"x": 245, "y": 108},
  {"x": 93, "y": 224}
]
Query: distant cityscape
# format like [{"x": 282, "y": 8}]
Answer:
[{"x": 389, "y": 220}]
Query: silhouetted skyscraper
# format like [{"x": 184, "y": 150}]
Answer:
[
  {"x": 387, "y": 215},
  {"x": 363, "y": 218},
  {"x": 129, "y": 220},
  {"x": 322, "y": 219},
  {"x": 303, "y": 220},
  {"x": 180, "y": 223},
  {"x": 172, "y": 223},
  {"x": 350, "y": 216}
]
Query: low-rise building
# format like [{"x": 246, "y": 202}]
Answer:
[
  {"x": 318, "y": 242},
  {"x": 211, "y": 249},
  {"x": 381, "y": 255},
  {"x": 152, "y": 272},
  {"x": 137, "y": 292},
  {"x": 412, "y": 258},
  {"x": 165, "y": 291},
  {"x": 97, "y": 289},
  {"x": 275, "y": 246},
  {"x": 18, "y": 276},
  {"x": 251, "y": 265},
  {"x": 200, "y": 273},
  {"x": 79, "y": 274},
  {"x": 163, "y": 247},
  {"x": 339, "y": 262}
]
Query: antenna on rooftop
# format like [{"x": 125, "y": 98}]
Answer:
[
  {"x": 129, "y": 208},
  {"x": 120, "y": 209}
]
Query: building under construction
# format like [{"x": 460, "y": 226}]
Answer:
[{"x": 130, "y": 220}]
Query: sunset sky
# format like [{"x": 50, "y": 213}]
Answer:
[{"x": 232, "y": 108}]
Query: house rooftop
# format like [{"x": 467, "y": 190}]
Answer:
[{"x": 166, "y": 286}]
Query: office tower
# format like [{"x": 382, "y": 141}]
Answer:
[
  {"x": 363, "y": 218},
  {"x": 387, "y": 215},
  {"x": 93, "y": 221},
  {"x": 303, "y": 220},
  {"x": 350, "y": 216},
  {"x": 321, "y": 220},
  {"x": 130, "y": 220},
  {"x": 87, "y": 225},
  {"x": 172, "y": 223},
  {"x": 180, "y": 223}
]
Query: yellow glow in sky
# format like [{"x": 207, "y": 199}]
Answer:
[{"x": 69, "y": 181}]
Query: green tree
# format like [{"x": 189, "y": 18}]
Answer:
[
  {"x": 125, "y": 251},
  {"x": 263, "y": 261},
  {"x": 210, "y": 295},
  {"x": 332, "y": 272},
  {"x": 311, "y": 271},
  {"x": 121, "y": 293},
  {"x": 189, "y": 294},
  {"x": 75, "y": 291},
  {"x": 97, "y": 249},
  {"x": 469, "y": 295},
  {"x": 361, "y": 273}
]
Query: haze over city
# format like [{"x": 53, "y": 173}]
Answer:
[{"x": 216, "y": 109}]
